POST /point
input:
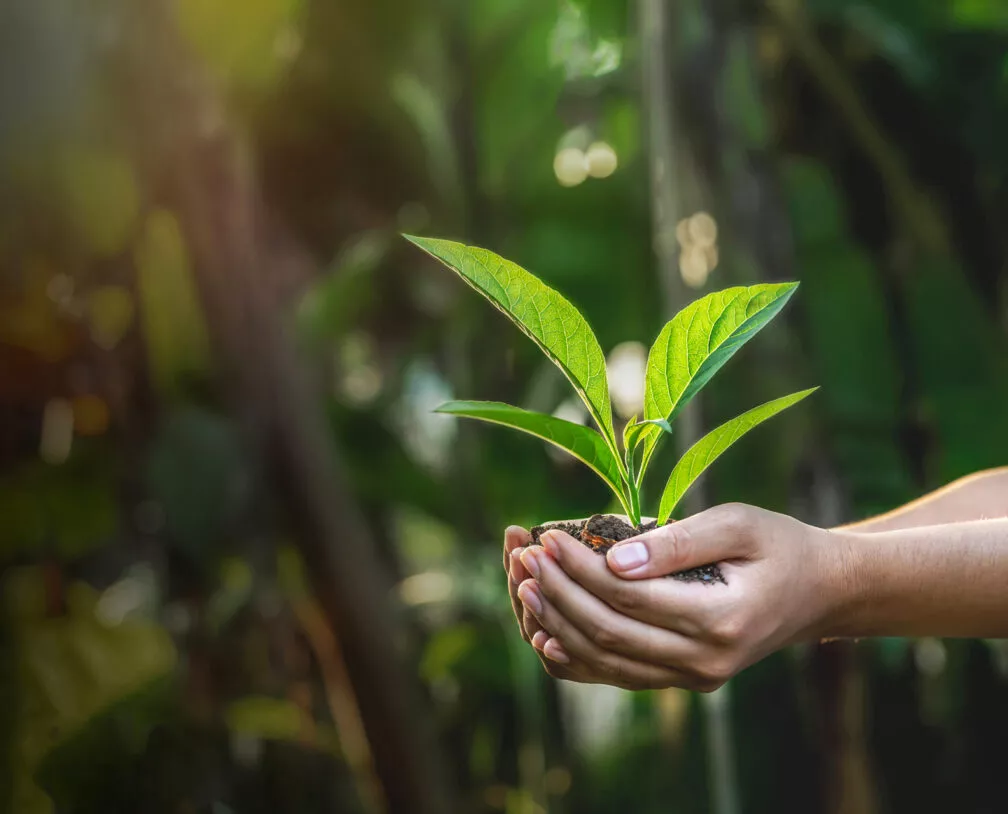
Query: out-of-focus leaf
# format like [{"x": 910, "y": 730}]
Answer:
[
  {"x": 573, "y": 47},
  {"x": 99, "y": 196},
  {"x": 330, "y": 305},
  {"x": 979, "y": 14},
  {"x": 431, "y": 119},
  {"x": 962, "y": 365},
  {"x": 245, "y": 42},
  {"x": 197, "y": 474},
  {"x": 555, "y": 325},
  {"x": 110, "y": 314},
  {"x": 71, "y": 509},
  {"x": 744, "y": 104},
  {"x": 267, "y": 718},
  {"x": 175, "y": 334},
  {"x": 233, "y": 592},
  {"x": 816, "y": 210},
  {"x": 73, "y": 670},
  {"x": 445, "y": 649},
  {"x": 707, "y": 450}
]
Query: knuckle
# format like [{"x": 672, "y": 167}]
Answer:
[
  {"x": 625, "y": 597},
  {"x": 604, "y": 637},
  {"x": 612, "y": 670},
  {"x": 553, "y": 669},
  {"x": 669, "y": 542},
  {"x": 713, "y": 675},
  {"x": 736, "y": 517},
  {"x": 728, "y": 631}
]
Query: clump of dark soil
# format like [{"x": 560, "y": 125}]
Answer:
[{"x": 600, "y": 532}]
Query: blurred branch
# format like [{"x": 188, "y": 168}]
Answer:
[
  {"x": 666, "y": 200},
  {"x": 206, "y": 172},
  {"x": 666, "y": 158},
  {"x": 341, "y": 699},
  {"x": 840, "y": 684},
  {"x": 920, "y": 219}
]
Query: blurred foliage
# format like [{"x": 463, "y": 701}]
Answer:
[{"x": 161, "y": 648}]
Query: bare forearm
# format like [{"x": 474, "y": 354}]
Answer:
[
  {"x": 943, "y": 580},
  {"x": 976, "y": 497}
]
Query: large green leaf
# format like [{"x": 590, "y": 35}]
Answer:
[
  {"x": 555, "y": 325},
  {"x": 707, "y": 450},
  {"x": 696, "y": 343},
  {"x": 580, "y": 441}
]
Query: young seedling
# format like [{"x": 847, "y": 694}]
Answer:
[{"x": 689, "y": 350}]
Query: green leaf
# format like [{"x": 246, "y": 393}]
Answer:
[
  {"x": 697, "y": 342},
  {"x": 634, "y": 431},
  {"x": 582, "y": 442},
  {"x": 555, "y": 325},
  {"x": 631, "y": 435},
  {"x": 707, "y": 450}
]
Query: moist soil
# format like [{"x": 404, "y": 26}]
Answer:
[{"x": 600, "y": 532}]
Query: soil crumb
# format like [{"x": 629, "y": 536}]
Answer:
[{"x": 600, "y": 532}]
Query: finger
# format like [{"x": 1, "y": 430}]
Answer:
[
  {"x": 627, "y": 678},
  {"x": 665, "y": 603},
  {"x": 515, "y": 537},
  {"x": 569, "y": 670},
  {"x": 605, "y": 666},
  {"x": 602, "y": 625},
  {"x": 517, "y": 574},
  {"x": 561, "y": 668},
  {"x": 721, "y": 533}
]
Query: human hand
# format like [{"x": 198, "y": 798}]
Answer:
[
  {"x": 619, "y": 621},
  {"x": 515, "y": 540}
]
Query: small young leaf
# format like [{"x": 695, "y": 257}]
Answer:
[
  {"x": 631, "y": 435},
  {"x": 555, "y": 325},
  {"x": 635, "y": 430},
  {"x": 705, "y": 451},
  {"x": 582, "y": 442},
  {"x": 697, "y": 342}
]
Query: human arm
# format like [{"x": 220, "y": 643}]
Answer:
[
  {"x": 787, "y": 582},
  {"x": 974, "y": 497}
]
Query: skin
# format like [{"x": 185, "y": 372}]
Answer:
[{"x": 936, "y": 567}]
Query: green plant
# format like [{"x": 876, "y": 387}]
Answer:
[{"x": 690, "y": 349}]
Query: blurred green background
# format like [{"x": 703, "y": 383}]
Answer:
[{"x": 245, "y": 569}]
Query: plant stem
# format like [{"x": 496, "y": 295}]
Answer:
[
  {"x": 629, "y": 499},
  {"x": 635, "y": 516}
]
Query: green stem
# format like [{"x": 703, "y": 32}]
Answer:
[
  {"x": 626, "y": 501},
  {"x": 635, "y": 514}
]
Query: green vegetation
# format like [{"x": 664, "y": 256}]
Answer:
[{"x": 690, "y": 349}]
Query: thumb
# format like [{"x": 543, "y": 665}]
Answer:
[{"x": 709, "y": 537}]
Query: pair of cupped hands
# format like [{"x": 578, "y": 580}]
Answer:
[{"x": 618, "y": 620}]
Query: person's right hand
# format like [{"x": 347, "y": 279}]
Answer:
[{"x": 618, "y": 620}]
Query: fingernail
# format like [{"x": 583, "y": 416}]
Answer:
[
  {"x": 554, "y": 652},
  {"x": 549, "y": 542},
  {"x": 513, "y": 535},
  {"x": 531, "y": 562},
  {"x": 540, "y": 639},
  {"x": 627, "y": 556},
  {"x": 530, "y": 599}
]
